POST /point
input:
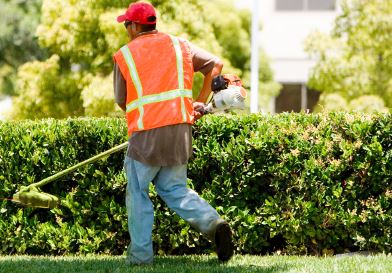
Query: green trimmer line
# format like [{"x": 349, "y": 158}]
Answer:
[{"x": 32, "y": 196}]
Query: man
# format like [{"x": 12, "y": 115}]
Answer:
[{"x": 153, "y": 77}]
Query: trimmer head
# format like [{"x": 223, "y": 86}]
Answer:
[{"x": 34, "y": 198}]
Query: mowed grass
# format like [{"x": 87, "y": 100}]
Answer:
[{"x": 205, "y": 264}]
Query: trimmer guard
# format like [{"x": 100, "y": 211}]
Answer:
[{"x": 33, "y": 197}]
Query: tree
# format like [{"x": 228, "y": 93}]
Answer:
[
  {"x": 86, "y": 35},
  {"x": 47, "y": 91},
  {"x": 355, "y": 60},
  {"x": 18, "y": 44}
]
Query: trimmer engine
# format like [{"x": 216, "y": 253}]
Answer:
[{"x": 228, "y": 94}]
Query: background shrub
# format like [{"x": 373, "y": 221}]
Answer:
[{"x": 315, "y": 184}]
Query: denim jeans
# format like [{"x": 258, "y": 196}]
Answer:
[{"x": 170, "y": 184}]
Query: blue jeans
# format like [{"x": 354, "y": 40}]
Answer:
[{"x": 170, "y": 184}]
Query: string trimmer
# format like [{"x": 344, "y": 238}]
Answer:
[
  {"x": 33, "y": 196},
  {"x": 228, "y": 94}
]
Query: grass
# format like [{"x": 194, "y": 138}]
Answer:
[{"x": 205, "y": 264}]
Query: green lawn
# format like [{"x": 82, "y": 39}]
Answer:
[{"x": 205, "y": 264}]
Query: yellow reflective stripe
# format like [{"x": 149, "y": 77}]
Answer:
[
  {"x": 169, "y": 95},
  {"x": 180, "y": 72},
  {"x": 136, "y": 80}
]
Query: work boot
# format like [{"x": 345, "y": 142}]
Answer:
[{"x": 224, "y": 241}]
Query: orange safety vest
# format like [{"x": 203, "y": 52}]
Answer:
[{"x": 159, "y": 72}]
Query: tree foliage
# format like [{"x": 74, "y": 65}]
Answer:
[
  {"x": 47, "y": 91},
  {"x": 18, "y": 44},
  {"x": 86, "y": 36},
  {"x": 355, "y": 60}
]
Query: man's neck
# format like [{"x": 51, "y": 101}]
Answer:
[{"x": 146, "y": 33}]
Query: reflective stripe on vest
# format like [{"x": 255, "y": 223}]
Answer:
[
  {"x": 180, "y": 72},
  {"x": 136, "y": 81},
  {"x": 169, "y": 95},
  {"x": 139, "y": 103}
]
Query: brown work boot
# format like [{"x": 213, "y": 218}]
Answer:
[{"x": 224, "y": 241}]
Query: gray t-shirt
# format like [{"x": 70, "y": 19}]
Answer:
[{"x": 169, "y": 145}]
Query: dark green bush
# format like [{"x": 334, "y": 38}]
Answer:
[{"x": 298, "y": 183}]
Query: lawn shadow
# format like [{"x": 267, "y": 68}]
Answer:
[
  {"x": 206, "y": 264},
  {"x": 116, "y": 264}
]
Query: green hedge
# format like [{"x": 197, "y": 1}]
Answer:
[{"x": 315, "y": 184}]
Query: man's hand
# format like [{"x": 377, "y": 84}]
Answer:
[{"x": 198, "y": 109}]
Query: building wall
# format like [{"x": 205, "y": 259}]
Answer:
[
  {"x": 5, "y": 107},
  {"x": 282, "y": 37}
]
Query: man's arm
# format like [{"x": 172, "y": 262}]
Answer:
[
  {"x": 209, "y": 65},
  {"x": 120, "y": 88},
  {"x": 206, "y": 89}
]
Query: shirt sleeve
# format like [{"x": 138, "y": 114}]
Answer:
[
  {"x": 203, "y": 61},
  {"x": 119, "y": 85}
]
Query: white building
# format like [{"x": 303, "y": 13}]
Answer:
[
  {"x": 286, "y": 24},
  {"x": 5, "y": 107}
]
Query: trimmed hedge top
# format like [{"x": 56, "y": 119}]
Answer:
[{"x": 316, "y": 184}]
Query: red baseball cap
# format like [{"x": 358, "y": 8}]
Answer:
[{"x": 141, "y": 12}]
